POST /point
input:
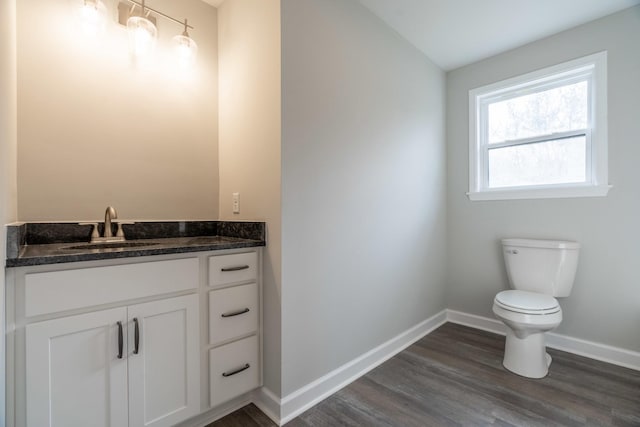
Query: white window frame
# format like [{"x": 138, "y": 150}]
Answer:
[{"x": 594, "y": 69}]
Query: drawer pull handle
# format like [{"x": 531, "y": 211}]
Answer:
[
  {"x": 136, "y": 336},
  {"x": 120, "y": 340},
  {"x": 238, "y": 268},
  {"x": 236, "y": 313},
  {"x": 236, "y": 371}
]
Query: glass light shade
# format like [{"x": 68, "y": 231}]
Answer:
[
  {"x": 92, "y": 17},
  {"x": 142, "y": 36},
  {"x": 186, "y": 50}
]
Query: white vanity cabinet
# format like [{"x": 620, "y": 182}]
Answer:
[
  {"x": 150, "y": 341},
  {"x": 136, "y": 364},
  {"x": 95, "y": 369}
]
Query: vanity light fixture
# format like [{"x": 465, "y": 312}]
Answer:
[{"x": 143, "y": 33}]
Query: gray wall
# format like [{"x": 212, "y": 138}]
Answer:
[
  {"x": 363, "y": 186},
  {"x": 605, "y": 303}
]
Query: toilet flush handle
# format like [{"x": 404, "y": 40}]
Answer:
[{"x": 512, "y": 251}]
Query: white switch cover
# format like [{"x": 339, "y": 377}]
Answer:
[{"x": 236, "y": 203}]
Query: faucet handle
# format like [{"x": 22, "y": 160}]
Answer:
[
  {"x": 94, "y": 233},
  {"x": 120, "y": 232}
]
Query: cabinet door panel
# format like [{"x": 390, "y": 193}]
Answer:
[
  {"x": 164, "y": 376},
  {"x": 73, "y": 375}
]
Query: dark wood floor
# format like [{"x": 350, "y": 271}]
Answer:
[{"x": 454, "y": 376}]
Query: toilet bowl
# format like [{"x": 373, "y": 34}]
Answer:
[
  {"x": 527, "y": 315},
  {"x": 538, "y": 271}
]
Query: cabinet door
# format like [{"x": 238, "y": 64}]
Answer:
[
  {"x": 73, "y": 374},
  {"x": 164, "y": 383}
]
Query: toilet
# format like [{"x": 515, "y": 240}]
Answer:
[{"x": 538, "y": 271}]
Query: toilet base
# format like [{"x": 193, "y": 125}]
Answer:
[{"x": 526, "y": 357}]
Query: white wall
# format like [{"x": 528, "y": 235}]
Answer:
[
  {"x": 605, "y": 303},
  {"x": 249, "y": 142},
  {"x": 94, "y": 130},
  {"x": 363, "y": 186},
  {"x": 8, "y": 203}
]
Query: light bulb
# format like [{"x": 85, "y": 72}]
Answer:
[
  {"x": 92, "y": 17},
  {"x": 142, "y": 36},
  {"x": 186, "y": 50}
]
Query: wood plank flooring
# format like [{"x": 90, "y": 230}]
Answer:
[{"x": 454, "y": 377}]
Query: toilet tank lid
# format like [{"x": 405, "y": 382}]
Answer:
[{"x": 537, "y": 243}]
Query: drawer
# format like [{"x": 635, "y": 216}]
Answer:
[
  {"x": 233, "y": 312},
  {"x": 233, "y": 268},
  {"x": 233, "y": 370},
  {"x": 55, "y": 291}
]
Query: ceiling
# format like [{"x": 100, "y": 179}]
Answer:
[
  {"x": 214, "y": 3},
  {"x": 453, "y": 33}
]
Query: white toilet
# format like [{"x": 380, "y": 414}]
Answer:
[{"x": 538, "y": 271}]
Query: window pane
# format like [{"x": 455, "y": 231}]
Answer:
[
  {"x": 555, "y": 110},
  {"x": 549, "y": 162}
]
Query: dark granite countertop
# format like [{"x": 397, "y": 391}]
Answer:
[{"x": 31, "y": 244}]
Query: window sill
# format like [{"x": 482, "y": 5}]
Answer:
[{"x": 540, "y": 193}]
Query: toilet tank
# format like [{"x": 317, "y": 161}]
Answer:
[{"x": 543, "y": 266}]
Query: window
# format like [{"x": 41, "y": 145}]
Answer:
[{"x": 541, "y": 135}]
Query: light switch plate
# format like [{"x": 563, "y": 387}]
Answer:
[{"x": 236, "y": 203}]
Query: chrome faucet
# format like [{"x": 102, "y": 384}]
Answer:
[{"x": 108, "y": 216}]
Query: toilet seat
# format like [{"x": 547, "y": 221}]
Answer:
[{"x": 527, "y": 302}]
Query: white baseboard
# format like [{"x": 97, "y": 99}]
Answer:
[
  {"x": 218, "y": 412},
  {"x": 268, "y": 403},
  {"x": 304, "y": 398},
  {"x": 263, "y": 398},
  {"x": 476, "y": 322},
  {"x": 593, "y": 350}
]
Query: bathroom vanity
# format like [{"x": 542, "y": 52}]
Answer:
[{"x": 143, "y": 335}]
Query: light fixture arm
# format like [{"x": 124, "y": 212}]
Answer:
[
  {"x": 145, "y": 7},
  {"x": 185, "y": 32}
]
